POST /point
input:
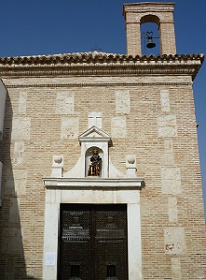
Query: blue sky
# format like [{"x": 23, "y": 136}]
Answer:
[{"x": 32, "y": 27}]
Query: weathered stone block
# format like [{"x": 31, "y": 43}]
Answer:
[
  {"x": 69, "y": 127},
  {"x": 118, "y": 127},
  {"x": 21, "y": 128},
  {"x": 167, "y": 126},
  {"x": 171, "y": 180},
  {"x": 174, "y": 240},
  {"x": 165, "y": 102},
  {"x": 122, "y": 101},
  {"x": 64, "y": 103},
  {"x": 19, "y": 148},
  {"x": 22, "y": 102}
]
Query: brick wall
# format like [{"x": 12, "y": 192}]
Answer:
[{"x": 152, "y": 117}]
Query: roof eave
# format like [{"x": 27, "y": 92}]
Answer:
[{"x": 104, "y": 64}]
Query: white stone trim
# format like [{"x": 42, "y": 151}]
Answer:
[
  {"x": 93, "y": 183},
  {"x": 93, "y": 191},
  {"x": 95, "y": 137}
]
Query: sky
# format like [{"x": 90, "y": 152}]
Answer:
[{"x": 35, "y": 27}]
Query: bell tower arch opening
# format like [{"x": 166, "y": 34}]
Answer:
[{"x": 150, "y": 37}]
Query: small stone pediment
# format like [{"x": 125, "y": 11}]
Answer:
[{"x": 94, "y": 134}]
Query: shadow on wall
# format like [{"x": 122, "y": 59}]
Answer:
[{"x": 12, "y": 257}]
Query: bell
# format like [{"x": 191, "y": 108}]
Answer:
[{"x": 150, "y": 43}]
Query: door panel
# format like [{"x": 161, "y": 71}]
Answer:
[{"x": 93, "y": 242}]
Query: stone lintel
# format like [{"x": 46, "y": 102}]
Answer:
[{"x": 93, "y": 183}]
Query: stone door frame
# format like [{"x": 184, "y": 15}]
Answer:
[{"x": 92, "y": 191}]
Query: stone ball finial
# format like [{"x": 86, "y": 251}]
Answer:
[
  {"x": 58, "y": 159},
  {"x": 131, "y": 159}
]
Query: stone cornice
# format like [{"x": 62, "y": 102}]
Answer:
[
  {"x": 88, "y": 64},
  {"x": 142, "y": 6},
  {"x": 94, "y": 183},
  {"x": 81, "y": 85}
]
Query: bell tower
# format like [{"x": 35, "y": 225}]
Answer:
[{"x": 136, "y": 14}]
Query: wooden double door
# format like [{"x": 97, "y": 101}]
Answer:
[{"x": 93, "y": 242}]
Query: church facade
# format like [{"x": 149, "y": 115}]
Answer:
[{"x": 100, "y": 172}]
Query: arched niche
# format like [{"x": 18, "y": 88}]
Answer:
[
  {"x": 149, "y": 25},
  {"x": 93, "y": 138},
  {"x": 88, "y": 163}
]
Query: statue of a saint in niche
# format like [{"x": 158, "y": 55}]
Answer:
[{"x": 94, "y": 167}]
